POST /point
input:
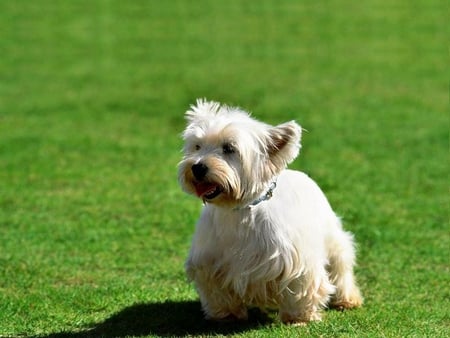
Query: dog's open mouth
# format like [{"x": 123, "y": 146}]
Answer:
[{"x": 208, "y": 190}]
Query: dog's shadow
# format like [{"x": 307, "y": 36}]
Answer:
[{"x": 168, "y": 319}]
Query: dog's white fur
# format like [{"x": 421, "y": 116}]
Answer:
[{"x": 256, "y": 245}]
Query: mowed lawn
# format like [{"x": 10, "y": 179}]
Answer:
[{"x": 94, "y": 229}]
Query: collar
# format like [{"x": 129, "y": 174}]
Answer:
[{"x": 265, "y": 197}]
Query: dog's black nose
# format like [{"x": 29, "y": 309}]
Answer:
[{"x": 199, "y": 170}]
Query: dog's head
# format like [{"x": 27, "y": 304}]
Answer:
[{"x": 230, "y": 158}]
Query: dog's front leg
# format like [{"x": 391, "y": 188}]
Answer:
[
  {"x": 219, "y": 303},
  {"x": 304, "y": 298}
]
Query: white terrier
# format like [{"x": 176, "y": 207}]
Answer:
[{"x": 267, "y": 236}]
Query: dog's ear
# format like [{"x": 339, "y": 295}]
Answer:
[{"x": 283, "y": 145}]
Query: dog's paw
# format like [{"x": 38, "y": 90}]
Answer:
[
  {"x": 346, "y": 304},
  {"x": 343, "y": 305},
  {"x": 300, "y": 320},
  {"x": 227, "y": 319}
]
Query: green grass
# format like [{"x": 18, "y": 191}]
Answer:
[{"x": 94, "y": 229}]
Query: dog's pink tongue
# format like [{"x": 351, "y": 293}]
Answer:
[{"x": 202, "y": 188}]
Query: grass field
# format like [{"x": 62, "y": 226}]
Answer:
[{"x": 94, "y": 229}]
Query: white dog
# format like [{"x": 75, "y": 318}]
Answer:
[{"x": 267, "y": 236}]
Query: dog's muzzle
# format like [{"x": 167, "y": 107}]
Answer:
[
  {"x": 199, "y": 170},
  {"x": 204, "y": 188}
]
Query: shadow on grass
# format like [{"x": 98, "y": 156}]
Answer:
[{"x": 166, "y": 319}]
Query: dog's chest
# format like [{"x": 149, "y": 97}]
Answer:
[
  {"x": 244, "y": 252},
  {"x": 245, "y": 243},
  {"x": 239, "y": 229}
]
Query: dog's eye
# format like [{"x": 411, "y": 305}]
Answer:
[
  {"x": 227, "y": 148},
  {"x": 197, "y": 147}
]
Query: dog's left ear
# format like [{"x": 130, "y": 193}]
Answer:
[{"x": 283, "y": 145}]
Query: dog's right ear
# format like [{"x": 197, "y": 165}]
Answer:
[{"x": 283, "y": 145}]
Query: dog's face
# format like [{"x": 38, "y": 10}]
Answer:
[{"x": 229, "y": 158}]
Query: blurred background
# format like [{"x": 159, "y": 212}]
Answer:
[{"x": 92, "y": 97}]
